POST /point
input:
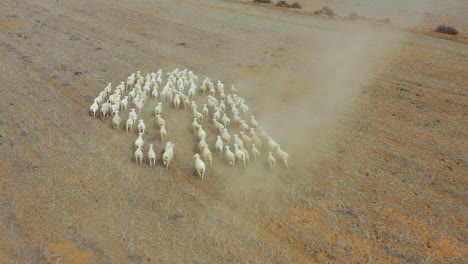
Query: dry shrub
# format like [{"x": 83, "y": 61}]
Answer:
[
  {"x": 283, "y": 4},
  {"x": 446, "y": 30},
  {"x": 262, "y": 1},
  {"x": 296, "y": 5},
  {"x": 353, "y": 16},
  {"x": 325, "y": 11},
  {"x": 386, "y": 20}
]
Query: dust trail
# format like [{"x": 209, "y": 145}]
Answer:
[{"x": 302, "y": 102}]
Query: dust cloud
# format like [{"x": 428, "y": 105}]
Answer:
[{"x": 301, "y": 103}]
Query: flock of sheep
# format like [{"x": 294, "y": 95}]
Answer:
[{"x": 224, "y": 111}]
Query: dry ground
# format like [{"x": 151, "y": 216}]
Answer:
[{"x": 377, "y": 136}]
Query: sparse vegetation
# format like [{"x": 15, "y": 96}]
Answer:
[
  {"x": 325, "y": 11},
  {"x": 386, "y": 20},
  {"x": 446, "y": 30},
  {"x": 296, "y": 5},
  {"x": 388, "y": 187},
  {"x": 355, "y": 16},
  {"x": 283, "y": 4},
  {"x": 262, "y": 1}
]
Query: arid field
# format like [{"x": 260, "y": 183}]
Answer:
[{"x": 373, "y": 115}]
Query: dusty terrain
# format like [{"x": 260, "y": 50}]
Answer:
[{"x": 374, "y": 117}]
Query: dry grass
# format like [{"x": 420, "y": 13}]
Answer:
[
  {"x": 388, "y": 187},
  {"x": 325, "y": 11},
  {"x": 262, "y": 1}
]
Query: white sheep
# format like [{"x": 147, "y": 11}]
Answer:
[
  {"x": 255, "y": 139},
  {"x": 236, "y": 118},
  {"x": 170, "y": 95},
  {"x": 191, "y": 92},
  {"x": 238, "y": 141},
  {"x": 132, "y": 94},
  {"x": 115, "y": 107},
  {"x": 108, "y": 88},
  {"x": 114, "y": 98},
  {"x": 202, "y": 144},
  {"x": 139, "y": 76},
  {"x": 244, "y": 108},
  {"x": 271, "y": 143},
  {"x": 255, "y": 152},
  {"x": 226, "y": 121},
  {"x": 131, "y": 80},
  {"x": 271, "y": 160},
  {"x": 226, "y": 136},
  {"x": 245, "y": 138},
  {"x": 198, "y": 116},
  {"x": 230, "y": 157},
  {"x": 218, "y": 126},
  {"x": 158, "y": 109},
  {"x": 244, "y": 125},
  {"x": 199, "y": 166},
  {"x": 222, "y": 105},
  {"x": 233, "y": 89},
  {"x": 163, "y": 133},
  {"x": 201, "y": 132},
  {"x": 212, "y": 101},
  {"x": 168, "y": 155},
  {"x": 219, "y": 145},
  {"x": 282, "y": 155},
  {"x": 207, "y": 156},
  {"x": 121, "y": 87},
  {"x": 139, "y": 105},
  {"x": 105, "y": 110},
  {"x": 193, "y": 105},
  {"x": 203, "y": 88},
  {"x": 205, "y": 111},
  {"x": 151, "y": 156},
  {"x": 124, "y": 103},
  {"x": 253, "y": 122},
  {"x": 161, "y": 122},
  {"x": 138, "y": 155},
  {"x": 99, "y": 99},
  {"x": 186, "y": 103},
  {"x": 229, "y": 100},
  {"x": 139, "y": 141},
  {"x": 220, "y": 86},
  {"x": 94, "y": 108},
  {"x": 155, "y": 92},
  {"x": 133, "y": 114},
  {"x": 176, "y": 101},
  {"x": 212, "y": 90},
  {"x": 217, "y": 115},
  {"x": 168, "y": 145},
  {"x": 141, "y": 126},
  {"x": 147, "y": 87},
  {"x": 159, "y": 79},
  {"x": 195, "y": 125},
  {"x": 164, "y": 94},
  {"x": 240, "y": 155},
  {"x": 234, "y": 109},
  {"x": 129, "y": 124},
  {"x": 116, "y": 120}
]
